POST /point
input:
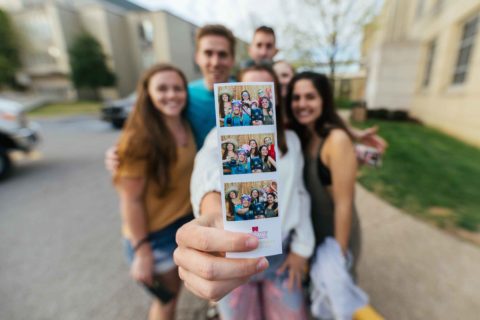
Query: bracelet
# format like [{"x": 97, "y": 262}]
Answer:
[{"x": 140, "y": 243}]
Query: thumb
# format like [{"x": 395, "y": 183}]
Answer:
[{"x": 372, "y": 130}]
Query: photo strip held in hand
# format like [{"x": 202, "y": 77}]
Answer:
[
  {"x": 247, "y": 141},
  {"x": 251, "y": 200},
  {"x": 248, "y": 153},
  {"x": 246, "y": 105}
]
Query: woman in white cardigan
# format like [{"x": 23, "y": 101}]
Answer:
[{"x": 276, "y": 293}]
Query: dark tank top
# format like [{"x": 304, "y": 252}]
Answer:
[{"x": 322, "y": 204}]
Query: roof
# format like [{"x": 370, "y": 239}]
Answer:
[{"x": 127, "y": 5}]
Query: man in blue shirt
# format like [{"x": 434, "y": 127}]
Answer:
[{"x": 215, "y": 55}]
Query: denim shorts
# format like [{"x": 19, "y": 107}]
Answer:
[{"x": 163, "y": 244}]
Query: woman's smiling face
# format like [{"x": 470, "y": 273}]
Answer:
[
  {"x": 167, "y": 92},
  {"x": 306, "y": 102}
]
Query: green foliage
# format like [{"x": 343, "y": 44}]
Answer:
[
  {"x": 67, "y": 109},
  {"x": 88, "y": 62},
  {"x": 344, "y": 103},
  {"x": 427, "y": 173},
  {"x": 9, "y": 50}
]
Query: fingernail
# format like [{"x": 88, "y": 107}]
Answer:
[
  {"x": 262, "y": 264},
  {"x": 251, "y": 242}
]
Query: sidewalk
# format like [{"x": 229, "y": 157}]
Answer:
[{"x": 412, "y": 270}]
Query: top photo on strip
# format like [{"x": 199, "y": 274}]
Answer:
[{"x": 244, "y": 104}]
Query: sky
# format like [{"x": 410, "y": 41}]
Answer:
[{"x": 243, "y": 16}]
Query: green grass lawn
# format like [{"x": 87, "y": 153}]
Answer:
[
  {"x": 428, "y": 174},
  {"x": 67, "y": 108}
]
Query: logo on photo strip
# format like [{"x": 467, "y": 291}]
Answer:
[{"x": 259, "y": 234}]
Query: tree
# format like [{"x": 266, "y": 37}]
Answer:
[
  {"x": 9, "y": 50},
  {"x": 329, "y": 32},
  {"x": 88, "y": 63}
]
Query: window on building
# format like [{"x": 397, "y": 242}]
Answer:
[
  {"x": 465, "y": 50},
  {"x": 145, "y": 30},
  {"x": 345, "y": 88},
  {"x": 420, "y": 8},
  {"x": 429, "y": 65},
  {"x": 39, "y": 42},
  {"x": 438, "y": 6},
  {"x": 193, "y": 33}
]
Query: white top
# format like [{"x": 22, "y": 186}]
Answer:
[
  {"x": 334, "y": 294},
  {"x": 295, "y": 201}
]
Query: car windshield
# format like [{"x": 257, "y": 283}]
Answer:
[{"x": 132, "y": 96}]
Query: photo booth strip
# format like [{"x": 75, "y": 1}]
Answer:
[{"x": 244, "y": 126}]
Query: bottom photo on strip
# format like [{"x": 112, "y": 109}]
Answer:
[{"x": 251, "y": 200}]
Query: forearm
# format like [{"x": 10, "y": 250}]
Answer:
[
  {"x": 356, "y": 133},
  {"x": 272, "y": 162},
  {"x": 134, "y": 217},
  {"x": 343, "y": 222}
]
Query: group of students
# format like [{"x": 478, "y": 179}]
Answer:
[
  {"x": 259, "y": 204},
  {"x": 249, "y": 158},
  {"x": 247, "y": 111},
  {"x": 155, "y": 166}
]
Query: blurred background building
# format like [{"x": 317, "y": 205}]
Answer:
[
  {"x": 132, "y": 37},
  {"x": 422, "y": 56}
]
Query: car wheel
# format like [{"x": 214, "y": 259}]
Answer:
[
  {"x": 5, "y": 164},
  {"x": 118, "y": 124}
]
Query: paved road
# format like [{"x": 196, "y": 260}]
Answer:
[
  {"x": 61, "y": 256},
  {"x": 60, "y": 251}
]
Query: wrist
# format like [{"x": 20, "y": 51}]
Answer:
[
  {"x": 140, "y": 244},
  {"x": 144, "y": 250}
]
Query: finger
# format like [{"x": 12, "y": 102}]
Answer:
[
  {"x": 148, "y": 279},
  {"x": 282, "y": 268},
  {"x": 192, "y": 289},
  {"x": 216, "y": 268},
  {"x": 209, "y": 239},
  {"x": 291, "y": 279},
  {"x": 298, "y": 280},
  {"x": 212, "y": 290},
  {"x": 141, "y": 278},
  {"x": 373, "y": 130}
]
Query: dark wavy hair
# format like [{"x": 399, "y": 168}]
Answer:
[
  {"x": 147, "y": 133},
  {"x": 222, "y": 103},
  {"x": 328, "y": 120},
  {"x": 252, "y": 149},
  {"x": 282, "y": 142},
  {"x": 264, "y": 159},
  {"x": 225, "y": 150},
  {"x": 241, "y": 95}
]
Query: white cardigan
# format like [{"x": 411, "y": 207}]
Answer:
[{"x": 294, "y": 199}]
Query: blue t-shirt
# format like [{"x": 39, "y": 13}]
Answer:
[
  {"x": 257, "y": 115},
  {"x": 200, "y": 110},
  {"x": 241, "y": 168},
  {"x": 246, "y": 216},
  {"x": 256, "y": 163}
]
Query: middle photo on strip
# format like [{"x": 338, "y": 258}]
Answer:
[{"x": 248, "y": 153}]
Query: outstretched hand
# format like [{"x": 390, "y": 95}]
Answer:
[
  {"x": 200, "y": 256},
  {"x": 370, "y": 137}
]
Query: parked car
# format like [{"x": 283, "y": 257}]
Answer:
[
  {"x": 117, "y": 111},
  {"x": 16, "y": 133}
]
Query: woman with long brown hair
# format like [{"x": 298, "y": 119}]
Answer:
[{"x": 156, "y": 153}]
